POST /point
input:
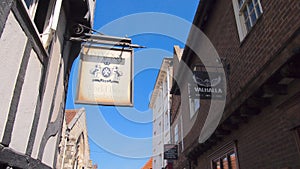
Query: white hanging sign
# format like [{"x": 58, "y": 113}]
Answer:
[{"x": 105, "y": 76}]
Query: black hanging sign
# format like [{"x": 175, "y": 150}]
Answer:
[
  {"x": 170, "y": 151},
  {"x": 206, "y": 87}
]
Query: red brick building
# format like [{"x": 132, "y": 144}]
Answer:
[
  {"x": 148, "y": 164},
  {"x": 258, "y": 42}
]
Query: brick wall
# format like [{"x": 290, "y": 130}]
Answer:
[
  {"x": 271, "y": 33},
  {"x": 266, "y": 140}
]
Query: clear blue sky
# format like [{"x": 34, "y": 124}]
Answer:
[{"x": 118, "y": 136}]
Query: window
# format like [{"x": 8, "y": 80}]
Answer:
[
  {"x": 228, "y": 161},
  {"x": 194, "y": 104},
  {"x": 167, "y": 121},
  {"x": 44, "y": 15},
  {"x": 225, "y": 157},
  {"x": 176, "y": 134},
  {"x": 40, "y": 12},
  {"x": 246, "y": 14}
]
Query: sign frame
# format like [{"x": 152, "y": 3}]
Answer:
[
  {"x": 97, "y": 101},
  {"x": 171, "y": 151}
]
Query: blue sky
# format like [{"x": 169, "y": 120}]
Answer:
[{"x": 120, "y": 137}]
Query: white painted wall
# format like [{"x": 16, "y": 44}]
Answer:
[
  {"x": 55, "y": 60},
  {"x": 92, "y": 5},
  {"x": 50, "y": 147},
  {"x": 161, "y": 118},
  {"x": 9, "y": 65},
  {"x": 49, "y": 92},
  {"x": 12, "y": 42},
  {"x": 49, "y": 154},
  {"x": 27, "y": 105}
]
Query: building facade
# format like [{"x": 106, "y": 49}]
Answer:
[
  {"x": 36, "y": 57},
  {"x": 74, "y": 149},
  {"x": 160, "y": 104},
  {"x": 258, "y": 43}
]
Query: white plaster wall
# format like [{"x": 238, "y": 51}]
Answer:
[
  {"x": 92, "y": 9},
  {"x": 158, "y": 162},
  {"x": 87, "y": 146},
  {"x": 163, "y": 136},
  {"x": 62, "y": 144},
  {"x": 27, "y": 104},
  {"x": 59, "y": 98},
  {"x": 48, "y": 157},
  {"x": 57, "y": 48},
  {"x": 158, "y": 139},
  {"x": 11, "y": 56},
  {"x": 48, "y": 95},
  {"x": 55, "y": 60}
]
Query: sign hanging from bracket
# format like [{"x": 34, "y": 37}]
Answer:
[{"x": 105, "y": 70}]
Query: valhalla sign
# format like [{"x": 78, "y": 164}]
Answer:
[
  {"x": 105, "y": 76},
  {"x": 205, "y": 87}
]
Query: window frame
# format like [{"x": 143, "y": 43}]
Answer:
[
  {"x": 51, "y": 18},
  {"x": 221, "y": 158},
  {"x": 176, "y": 134},
  {"x": 241, "y": 22},
  {"x": 224, "y": 152},
  {"x": 194, "y": 103}
]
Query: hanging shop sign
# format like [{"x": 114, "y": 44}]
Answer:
[
  {"x": 105, "y": 76},
  {"x": 205, "y": 87},
  {"x": 171, "y": 151}
]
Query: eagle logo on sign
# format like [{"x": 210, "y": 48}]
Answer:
[{"x": 207, "y": 82}]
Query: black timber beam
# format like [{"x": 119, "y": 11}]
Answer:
[
  {"x": 275, "y": 89},
  {"x": 256, "y": 102},
  {"x": 291, "y": 70},
  {"x": 16, "y": 160},
  {"x": 246, "y": 111}
]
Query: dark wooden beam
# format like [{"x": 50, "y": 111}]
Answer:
[
  {"x": 236, "y": 119},
  {"x": 191, "y": 155},
  {"x": 213, "y": 140},
  {"x": 291, "y": 70},
  {"x": 246, "y": 111},
  {"x": 14, "y": 159},
  {"x": 222, "y": 132},
  {"x": 229, "y": 126},
  {"x": 256, "y": 102},
  {"x": 274, "y": 89}
]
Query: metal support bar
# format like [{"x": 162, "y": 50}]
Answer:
[{"x": 107, "y": 40}]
